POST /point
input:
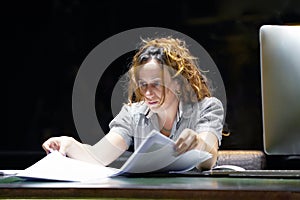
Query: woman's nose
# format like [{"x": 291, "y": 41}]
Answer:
[{"x": 148, "y": 91}]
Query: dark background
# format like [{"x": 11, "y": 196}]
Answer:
[{"x": 46, "y": 42}]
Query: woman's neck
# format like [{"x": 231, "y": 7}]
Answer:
[{"x": 167, "y": 117}]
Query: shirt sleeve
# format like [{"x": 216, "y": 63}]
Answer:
[
  {"x": 123, "y": 124},
  {"x": 210, "y": 118}
]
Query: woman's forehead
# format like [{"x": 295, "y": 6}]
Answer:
[{"x": 152, "y": 70}]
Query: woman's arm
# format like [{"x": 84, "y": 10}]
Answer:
[
  {"x": 108, "y": 149},
  {"x": 104, "y": 152},
  {"x": 211, "y": 146}
]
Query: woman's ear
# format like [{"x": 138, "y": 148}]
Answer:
[
  {"x": 177, "y": 87},
  {"x": 177, "y": 83}
]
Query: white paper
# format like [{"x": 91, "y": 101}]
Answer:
[
  {"x": 228, "y": 168},
  {"x": 156, "y": 154},
  {"x": 55, "y": 166}
]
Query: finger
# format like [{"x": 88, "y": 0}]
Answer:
[
  {"x": 180, "y": 150},
  {"x": 55, "y": 145},
  {"x": 179, "y": 143},
  {"x": 188, "y": 144},
  {"x": 51, "y": 145},
  {"x": 194, "y": 144},
  {"x": 63, "y": 149},
  {"x": 182, "y": 138},
  {"x": 46, "y": 146},
  {"x": 63, "y": 152}
]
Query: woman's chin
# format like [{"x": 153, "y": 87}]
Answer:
[{"x": 154, "y": 107}]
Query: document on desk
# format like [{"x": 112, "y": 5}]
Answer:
[{"x": 155, "y": 155}]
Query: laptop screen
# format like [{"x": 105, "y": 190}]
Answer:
[{"x": 280, "y": 81}]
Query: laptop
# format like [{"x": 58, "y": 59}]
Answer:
[{"x": 280, "y": 82}]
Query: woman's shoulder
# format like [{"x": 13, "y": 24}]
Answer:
[
  {"x": 207, "y": 102},
  {"x": 210, "y": 101}
]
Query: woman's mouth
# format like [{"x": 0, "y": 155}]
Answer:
[{"x": 152, "y": 102}]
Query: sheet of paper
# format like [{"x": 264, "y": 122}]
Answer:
[
  {"x": 157, "y": 154},
  {"x": 55, "y": 166}
]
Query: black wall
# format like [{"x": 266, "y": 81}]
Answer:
[{"x": 45, "y": 43}]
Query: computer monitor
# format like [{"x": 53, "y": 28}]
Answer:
[{"x": 280, "y": 84}]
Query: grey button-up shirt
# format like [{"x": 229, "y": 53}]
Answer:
[{"x": 135, "y": 122}]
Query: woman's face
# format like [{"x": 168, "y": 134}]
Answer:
[{"x": 151, "y": 85}]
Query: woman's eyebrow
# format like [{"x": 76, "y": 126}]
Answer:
[
  {"x": 156, "y": 79},
  {"x": 151, "y": 80}
]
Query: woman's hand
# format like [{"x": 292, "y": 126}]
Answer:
[
  {"x": 189, "y": 140},
  {"x": 61, "y": 144},
  {"x": 205, "y": 141}
]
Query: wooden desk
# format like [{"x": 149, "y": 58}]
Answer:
[{"x": 159, "y": 188}]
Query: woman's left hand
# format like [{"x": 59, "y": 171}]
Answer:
[{"x": 189, "y": 140}]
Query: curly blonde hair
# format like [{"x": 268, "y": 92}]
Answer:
[{"x": 182, "y": 67}]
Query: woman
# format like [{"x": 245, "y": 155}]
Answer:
[{"x": 168, "y": 93}]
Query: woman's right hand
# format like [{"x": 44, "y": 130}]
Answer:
[{"x": 61, "y": 144}]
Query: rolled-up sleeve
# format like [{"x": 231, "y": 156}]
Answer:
[
  {"x": 122, "y": 124},
  {"x": 210, "y": 118}
]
